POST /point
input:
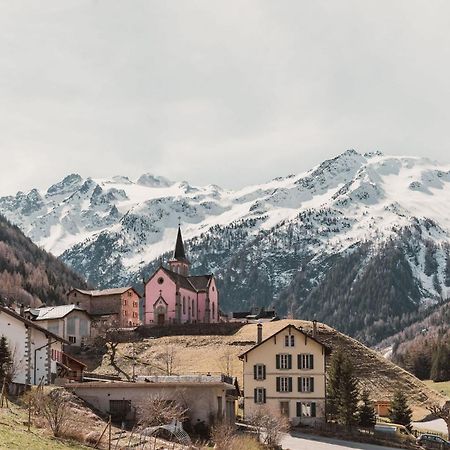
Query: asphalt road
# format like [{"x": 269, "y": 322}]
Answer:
[{"x": 307, "y": 442}]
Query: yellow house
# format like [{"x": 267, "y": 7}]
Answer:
[{"x": 286, "y": 372}]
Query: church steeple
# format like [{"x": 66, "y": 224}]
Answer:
[{"x": 179, "y": 263}]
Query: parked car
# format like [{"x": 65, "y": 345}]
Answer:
[
  {"x": 395, "y": 430},
  {"x": 430, "y": 441}
]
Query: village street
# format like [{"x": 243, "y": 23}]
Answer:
[{"x": 300, "y": 441}]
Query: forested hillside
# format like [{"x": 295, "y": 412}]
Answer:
[{"x": 29, "y": 274}]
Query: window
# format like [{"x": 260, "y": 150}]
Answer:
[
  {"x": 306, "y": 409},
  {"x": 193, "y": 309},
  {"x": 214, "y": 310},
  {"x": 284, "y": 361},
  {"x": 306, "y": 384},
  {"x": 284, "y": 384},
  {"x": 284, "y": 408},
  {"x": 305, "y": 361},
  {"x": 160, "y": 280},
  {"x": 71, "y": 325},
  {"x": 72, "y": 339},
  {"x": 125, "y": 302},
  {"x": 289, "y": 340},
  {"x": 259, "y": 395},
  {"x": 259, "y": 372},
  {"x": 184, "y": 305},
  {"x": 130, "y": 293}
]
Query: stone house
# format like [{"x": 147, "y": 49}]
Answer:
[
  {"x": 117, "y": 304},
  {"x": 286, "y": 372}
]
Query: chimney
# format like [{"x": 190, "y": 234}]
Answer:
[
  {"x": 22, "y": 310},
  {"x": 314, "y": 330},
  {"x": 259, "y": 333}
]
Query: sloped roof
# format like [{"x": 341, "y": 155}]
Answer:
[
  {"x": 179, "y": 253},
  {"x": 191, "y": 283},
  {"x": 54, "y": 312},
  {"x": 103, "y": 292},
  {"x": 30, "y": 323},
  {"x": 289, "y": 326}
]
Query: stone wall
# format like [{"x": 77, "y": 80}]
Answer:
[{"x": 189, "y": 329}]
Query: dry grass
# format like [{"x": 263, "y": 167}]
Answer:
[
  {"x": 441, "y": 387},
  {"x": 202, "y": 354}
]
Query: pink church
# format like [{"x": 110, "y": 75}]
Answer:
[{"x": 174, "y": 296}]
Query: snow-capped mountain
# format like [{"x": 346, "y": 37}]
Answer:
[{"x": 280, "y": 243}]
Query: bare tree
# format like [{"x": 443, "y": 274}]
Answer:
[
  {"x": 270, "y": 424},
  {"x": 225, "y": 361},
  {"x": 169, "y": 360},
  {"x": 109, "y": 335},
  {"x": 160, "y": 409},
  {"x": 223, "y": 435},
  {"x": 442, "y": 412},
  {"x": 54, "y": 406}
]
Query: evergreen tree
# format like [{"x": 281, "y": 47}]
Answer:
[
  {"x": 366, "y": 412},
  {"x": 348, "y": 405},
  {"x": 5, "y": 359},
  {"x": 440, "y": 366},
  {"x": 342, "y": 391},
  {"x": 400, "y": 412},
  {"x": 333, "y": 384}
]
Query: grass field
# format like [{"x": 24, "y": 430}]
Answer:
[
  {"x": 443, "y": 387},
  {"x": 14, "y": 433}
]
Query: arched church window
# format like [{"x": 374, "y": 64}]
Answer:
[
  {"x": 193, "y": 309},
  {"x": 184, "y": 305},
  {"x": 213, "y": 309}
]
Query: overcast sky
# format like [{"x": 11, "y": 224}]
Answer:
[{"x": 226, "y": 92}]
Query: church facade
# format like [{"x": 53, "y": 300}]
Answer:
[{"x": 172, "y": 295}]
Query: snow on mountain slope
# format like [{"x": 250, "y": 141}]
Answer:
[{"x": 113, "y": 230}]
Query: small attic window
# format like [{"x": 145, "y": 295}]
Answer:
[
  {"x": 160, "y": 280},
  {"x": 213, "y": 288}
]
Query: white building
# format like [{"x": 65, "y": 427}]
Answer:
[
  {"x": 71, "y": 322},
  {"x": 36, "y": 351}
]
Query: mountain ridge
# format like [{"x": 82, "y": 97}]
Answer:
[{"x": 279, "y": 243}]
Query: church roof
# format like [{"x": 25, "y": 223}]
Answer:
[
  {"x": 179, "y": 252},
  {"x": 191, "y": 283}
]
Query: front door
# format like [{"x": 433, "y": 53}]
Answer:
[{"x": 161, "y": 319}]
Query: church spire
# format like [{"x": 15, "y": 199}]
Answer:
[
  {"x": 179, "y": 263},
  {"x": 179, "y": 252}
]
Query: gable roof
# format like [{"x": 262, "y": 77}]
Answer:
[
  {"x": 195, "y": 283},
  {"x": 327, "y": 349},
  {"x": 53, "y": 312},
  {"x": 32, "y": 324},
  {"x": 105, "y": 292}
]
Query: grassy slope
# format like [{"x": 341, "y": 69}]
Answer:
[
  {"x": 443, "y": 387},
  {"x": 14, "y": 434},
  {"x": 204, "y": 354}
]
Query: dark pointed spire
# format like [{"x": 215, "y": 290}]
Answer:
[{"x": 179, "y": 252}]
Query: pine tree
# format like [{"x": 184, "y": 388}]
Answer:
[
  {"x": 348, "y": 405},
  {"x": 333, "y": 384},
  {"x": 5, "y": 359},
  {"x": 400, "y": 412},
  {"x": 366, "y": 412},
  {"x": 342, "y": 390}
]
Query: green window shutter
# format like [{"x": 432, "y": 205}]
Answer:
[
  {"x": 299, "y": 384},
  {"x": 312, "y": 384},
  {"x": 313, "y": 409},
  {"x": 311, "y": 364},
  {"x": 278, "y": 361},
  {"x": 264, "y": 372},
  {"x": 290, "y": 384},
  {"x": 254, "y": 395},
  {"x": 264, "y": 395},
  {"x": 299, "y": 361},
  {"x": 254, "y": 372},
  {"x": 278, "y": 384},
  {"x": 289, "y": 361}
]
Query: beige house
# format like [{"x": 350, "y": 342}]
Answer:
[
  {"x": 286, "y": 372},
  {"x": 71, "y": 322},
  {"x": 207, "y": 397},
  {"x": 118, "y": 304}
]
